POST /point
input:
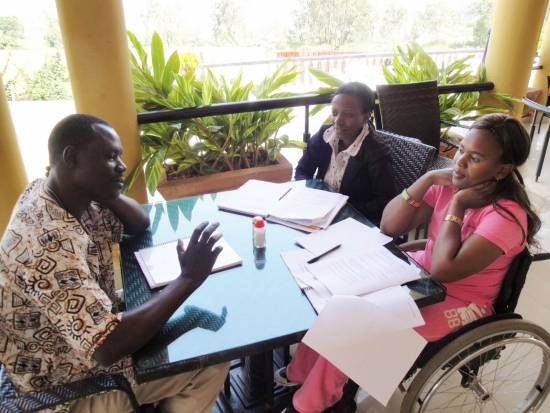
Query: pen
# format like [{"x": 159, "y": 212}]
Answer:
[{"x": 315, "y": 259}]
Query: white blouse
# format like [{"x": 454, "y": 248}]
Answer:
[{"x": 339, "y": 161}]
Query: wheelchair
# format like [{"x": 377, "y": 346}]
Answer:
[{"x": 500, "y": 363}]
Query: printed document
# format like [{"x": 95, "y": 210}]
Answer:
[
  {"x": 351, "y": 234},
  {"x": 299, "y": 207},
  {"x": 362, "y": 272}
]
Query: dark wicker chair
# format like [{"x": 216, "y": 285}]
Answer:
[
  {"x": 412, "y": 109},
  {"x": 47, "y": 399},
  {"x": 411, "y": 158}
]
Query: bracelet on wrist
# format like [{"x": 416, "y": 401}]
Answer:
[
  {"x": 410, "y": 200},
  {"x": 455, "y": 219}
]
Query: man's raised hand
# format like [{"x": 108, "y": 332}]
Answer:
[{"x": 197, "y": 260}]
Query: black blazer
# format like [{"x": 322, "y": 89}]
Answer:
[{"x": 369, "y": 178}]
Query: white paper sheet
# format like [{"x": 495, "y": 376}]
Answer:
[
  {"x": 371, "y": 346},
  {"x": 351, "y": 234},
  {"x": 398, "y": 302},
  {"x": 308, "y": 206},
  {"x": 254, "y": 198},
  {"x": 362, "y": 272},
  {"x": 296, "y": 261}
]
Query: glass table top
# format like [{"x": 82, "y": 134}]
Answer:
[{"x": 237, "y": 312}]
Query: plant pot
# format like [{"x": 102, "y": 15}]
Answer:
[{"x": 224, "y": 181}]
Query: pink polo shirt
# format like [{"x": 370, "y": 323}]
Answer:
[{"x": 481, "y": 288}]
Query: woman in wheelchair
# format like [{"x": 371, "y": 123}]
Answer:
[{"x": 481, "y": 218}]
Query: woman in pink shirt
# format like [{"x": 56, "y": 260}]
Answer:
[{"x": 481, "y": 218}]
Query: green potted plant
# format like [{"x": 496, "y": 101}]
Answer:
[
  {"x": 180, "y": 158},
  {"x": 415, "y": 65}
]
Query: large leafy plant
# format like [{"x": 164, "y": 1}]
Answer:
[
  {"x": 413, "y": 64},
  {"x": 207, "y": 145}
]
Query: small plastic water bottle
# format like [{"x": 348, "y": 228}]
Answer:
[
  {"x": 259, "y": 233},
  {"x": 259, "y": 258},
  {"x": 256, "y": 218}
]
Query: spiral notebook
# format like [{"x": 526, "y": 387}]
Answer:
[{"x": 160, "y": 263}]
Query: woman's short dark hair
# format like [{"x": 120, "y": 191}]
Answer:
[
  {"x": 510, "y": 135},
  {"x": 74, "y": 130},
  {"x": 361, "y": 91}
]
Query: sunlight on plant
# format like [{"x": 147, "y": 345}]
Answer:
[
  {"x": 203, "y": 146},
  {"x": 415, "y": 65}
]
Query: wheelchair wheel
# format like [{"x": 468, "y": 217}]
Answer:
[{"x": 503, "y": 366}]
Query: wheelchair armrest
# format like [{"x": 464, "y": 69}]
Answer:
[
  {"x": 416, "y": 245},
  {"x": 541, "y": 256}
]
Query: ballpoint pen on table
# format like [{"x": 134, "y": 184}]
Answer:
[{"x": 315, "y": 259}]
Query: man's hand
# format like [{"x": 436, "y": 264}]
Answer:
[{"x": 197, "y": 260}]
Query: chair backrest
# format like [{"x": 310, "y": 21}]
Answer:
[
  {"x": 411, "y": 109},
  {"x": 547, "y": 90},
  {"x": 411, "y": 158},
  {"x": 513, "y": 283}
]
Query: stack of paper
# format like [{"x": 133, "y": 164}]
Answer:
[
  {"x": 360, "y": 266},
  {"x": 303, "y": 208},
  {"x": 365, "y": 316}
]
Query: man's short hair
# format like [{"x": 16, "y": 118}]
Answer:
[{"x": 74, "y": 130}]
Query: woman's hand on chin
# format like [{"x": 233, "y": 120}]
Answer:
[{"x": 477, "y": 196}]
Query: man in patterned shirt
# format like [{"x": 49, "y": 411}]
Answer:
[{"x": 59, "y": 311}]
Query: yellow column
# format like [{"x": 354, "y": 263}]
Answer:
[
  {"x": 539, "y": 79},
  {"x": 96, "y": 49},
  {"x": 12, "y": 171},
  {"x": 514, "y": 35}
]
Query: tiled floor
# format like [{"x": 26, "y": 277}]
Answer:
[{"x": 534, "y": 303}]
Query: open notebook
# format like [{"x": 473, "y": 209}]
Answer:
[
  {"x": 295, "y": 206},
  {"x": 160, "y": 264}
]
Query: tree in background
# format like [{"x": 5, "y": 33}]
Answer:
[
  {"x": 50, "y": 82},
  {"x": 166, "y": 18},
  {"x": 52, "y": 38},
  {"x": 393, "y": 30},
  {"x": 227, "y": 23},
  {"x": 482, "y": 11},
  {"x": 11, "y": 30},
  {"x": 330, "y": 23}
]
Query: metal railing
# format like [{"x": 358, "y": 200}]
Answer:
[{"x": 173, "y": 115}]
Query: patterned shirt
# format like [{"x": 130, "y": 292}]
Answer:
[
  {"x": 339, "y": 161},
  {"x": 57, "y": 295}
]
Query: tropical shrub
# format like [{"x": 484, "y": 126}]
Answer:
[
  {"x": 415, "y": 65},
  {"x": 203, "y": 146}
]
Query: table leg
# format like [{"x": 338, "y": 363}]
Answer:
[
  {"x": 533, "y": 122},
  {"x": 269, "y": 378},
  {"x": 542, "y": 154}
]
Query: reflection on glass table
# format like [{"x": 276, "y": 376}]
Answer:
[{"x": 242, "y": 311}]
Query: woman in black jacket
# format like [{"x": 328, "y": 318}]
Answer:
[{"x": 349, "y": 156}]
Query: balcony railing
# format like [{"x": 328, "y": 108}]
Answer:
[{"x": 174, "y": 115}]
